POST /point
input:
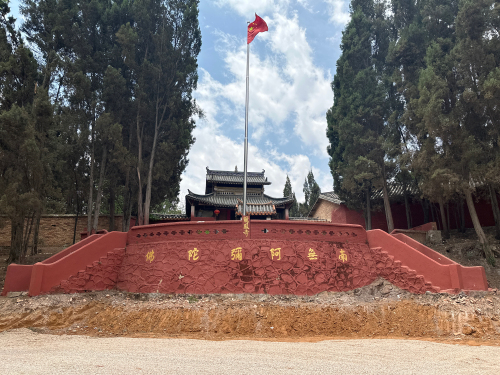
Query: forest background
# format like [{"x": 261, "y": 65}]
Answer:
[{"x": 96, "y": 108}]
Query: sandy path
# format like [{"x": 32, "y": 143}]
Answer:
[{"x": 25, "y": 352}]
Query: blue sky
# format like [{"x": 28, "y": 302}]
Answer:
[{"x": 291, "y": 67}]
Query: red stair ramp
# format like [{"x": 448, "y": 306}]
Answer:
[
  {"x": 49, "y": 274},
  {"x": 18, "y": 276},
  {"x": 437, "y": 269}
]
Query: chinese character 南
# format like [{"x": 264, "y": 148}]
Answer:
[
  {"x": 150, "y": 256},
  {"x": 237, "y": 254},
  {"x": 276, "y": 253},
  {"x": 343, "y": 256},
  {"x": 193, "y": 254},
  {"x": 312, "y": 255}
]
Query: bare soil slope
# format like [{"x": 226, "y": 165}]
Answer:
[{"x": 378, "y": 310}]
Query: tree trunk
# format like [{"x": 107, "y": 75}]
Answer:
[
  {"x": 446, "y": 232},
  {"x": 147, "y": 202},
  {"x": 91, "y": 186},
  {"x": 127, "y": 203},
  {"x": 496, "y": 211},
  {"x": 407, "y": 209},
  {"x": 27, "y": 235},
  {"x": 99, "y": 189},
  {"x": 387, "y": 204},
  {"x": 77, "y": 207},
  {"x": 425, "y": 209},
  {"x": 16, "y": 239},
  {"x": 448, "y": 222},
  {"x": 462, "y": 215},
  {"x": 127, "y": 196},
  {"x": 456, "y": 214},
  {"x": 34, "y": 249},
  {"x": 140, "y": 217},
  {"x": 76, "y": 219},
  {"x": 112, "y": 208},
  {"x": 368, "y": 213},
  {"x": 490, "y": 258}
]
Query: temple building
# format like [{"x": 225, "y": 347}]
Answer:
[{"x": 223, "y": 198}]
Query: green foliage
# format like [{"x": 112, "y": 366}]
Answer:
[
  {"x": 311, "y": 191},
  {"x": 416, "y": 93},
  {"x": 363, "y": 143},
  {"x": 287, "y": 191},
  {"x": 105, "y": 86}
]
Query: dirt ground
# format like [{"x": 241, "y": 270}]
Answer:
[{"x": 379, "y": 310}]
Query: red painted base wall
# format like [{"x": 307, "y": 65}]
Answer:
[{"x": 274, "y": 257}]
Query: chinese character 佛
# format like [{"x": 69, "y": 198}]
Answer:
[
  {"x": 343, "y": 256},
  {"x": 193, "y": 254},
  {"x": 312, "y": 255},
  {"x": 150, "y": 256},
  {"x": 237, "y": 254},
  {"x": 276, "y": 253}
]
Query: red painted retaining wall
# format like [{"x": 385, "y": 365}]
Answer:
[
  {"x": 46, "y": 276},
  {"x": 274, "y": 267},
  {"x": 445, "y": 276},
  {"x": 275, "y": 257},
  {"x": 18, "y": 276},
  {"x": 102, "y": 274},
  {"x": 434, "y": 255}
]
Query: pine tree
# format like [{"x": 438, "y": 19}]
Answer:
[
  {"x": 287, "y": 192},
  {"x": 26, "y": 140},
  {"x": 362, "y": 146}
]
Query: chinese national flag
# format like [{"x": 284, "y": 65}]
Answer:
[{"x": 257, "y": 26}]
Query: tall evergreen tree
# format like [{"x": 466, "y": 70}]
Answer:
[
  {"x": 452, "y": 112},
  {"x": 287, "y": 192},
  {"x": 26, "y": 140},
  {"x": 361, "y": 142}
]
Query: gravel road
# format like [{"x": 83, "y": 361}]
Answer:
[{"x": 25, "y": 352}]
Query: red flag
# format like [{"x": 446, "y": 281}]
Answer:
[{"x": 257, "y": 26}]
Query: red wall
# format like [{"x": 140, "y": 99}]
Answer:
[
  {"x": 483, "y": 208},
  {"x": 167, "y": 267},
  {"x": 274, "y": 257}
]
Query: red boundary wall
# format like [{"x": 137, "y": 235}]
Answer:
[{"x": 275, "y": 257}]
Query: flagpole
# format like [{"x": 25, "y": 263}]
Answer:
[{"x": 246, "y": 133}]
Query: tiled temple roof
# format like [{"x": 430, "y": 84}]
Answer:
[
  {"x": 173, "y": 217},
  {"x": 394, "y": 190},
  {"x": 266, "y": 209},
  {"x": 231, "y": 201},
  {"x": 236, "y": 178},
  {"x": 330, "y": 196}
]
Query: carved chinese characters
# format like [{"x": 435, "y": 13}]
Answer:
[
  {"x": 193, "y": 254},
  {"x": 276, "y": 253},
  {"x": 312, "y": 255},
  {"x": 342, "y": 256},
  {"x": 150, "y": 256},
  {"x": 237, "y": 254},
  {"x": 246, "y": 225}
]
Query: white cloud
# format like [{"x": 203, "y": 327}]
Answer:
[
  {"x": 289, "y": 97},
  {"x": 285, "y": 86},
  {"x": 338, "y": 11},
  {"x": 305, "y": 4},
  {"x": 214, "y": 149},
  {"x": 248, "y": 8}
]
